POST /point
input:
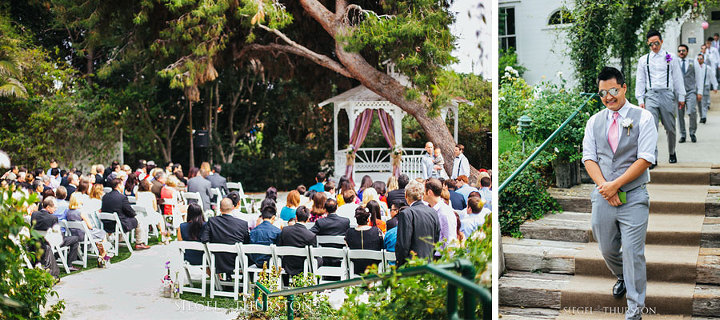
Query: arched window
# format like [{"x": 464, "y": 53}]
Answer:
[{"x": 561, "y": 16}]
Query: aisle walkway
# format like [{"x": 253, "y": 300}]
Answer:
[
  {"x": 130, "y": 289},
  {"x": 707, "y": 149}
]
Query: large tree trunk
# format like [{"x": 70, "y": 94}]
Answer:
[{"x": 192, "y": 145}]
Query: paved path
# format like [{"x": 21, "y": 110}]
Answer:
[
  {"x": 707, "y": 149},
  {"x": 130, "y": 289}
]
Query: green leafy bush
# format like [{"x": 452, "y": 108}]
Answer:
[{"x": 24, "y": 292}]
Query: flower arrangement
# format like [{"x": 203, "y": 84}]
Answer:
[
  {"x": 170, "y": 288},
  {"x": 350, "y": 156},
  {"x": 627, "y": 123},
  {"x": 668, "y": 58},
  {"x": 396, "y": 154}
]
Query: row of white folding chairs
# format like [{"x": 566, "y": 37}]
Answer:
[
  {"x": 87, "y": 246},
  {"x": 244, "y": 269}
]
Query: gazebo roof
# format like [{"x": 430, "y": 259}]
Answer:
[{"x": 359, "y": 93}]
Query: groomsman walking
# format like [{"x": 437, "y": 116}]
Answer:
[
  {"x": 705, "y": 77},
  {"x": 618, "y": 148},
  {"x": 688, "y": 67},
  {"x": 659, "y": 83}
]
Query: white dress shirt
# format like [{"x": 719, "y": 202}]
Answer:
[
  {"x": 704, "y": 74},
  {"x": 646, "y": 141},
  {"x": 712, "y": 57},
  {"x": 428, "y": 165},
  {"x": 658, "y": 69},
  {"x": 461, "y": 167},
  {"x": 715, "y": 44}
]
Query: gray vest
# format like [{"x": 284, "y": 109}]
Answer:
[
  {"x": 689, "y": 76},
  {"x": 613, "y": 165}
]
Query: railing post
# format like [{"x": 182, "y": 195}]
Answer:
[
  {"x": 290, "y": 311},
  {"x": 256, "y": 295},
  {"x": 452, "y": 305}
]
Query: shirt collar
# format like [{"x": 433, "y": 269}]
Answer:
[{"x": 623, "y": 110}]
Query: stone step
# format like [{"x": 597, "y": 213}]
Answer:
[
  {"x": 664, "y": 198},
  {"x": 671, "y": 229},
  {"x": 663, "y": 263},
  {"x": 681, "y": 173},
  {"x": 548, "y": 256},
  {"x": 554, "y": 291},
  {"x": 517, "y": 313}
]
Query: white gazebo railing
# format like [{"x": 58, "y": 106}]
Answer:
[{"x": 377, "y": 163}]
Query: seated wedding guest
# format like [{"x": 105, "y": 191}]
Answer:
[
  {"x": 365, "y": 183},
  {"x": 271, "y": 193},
  {"x": 365, "y": 237},
  {"x": 169, "y": 190},
  {"x": 192, "y": 231},
  {"x": 301, "y": 191},
  {"x": 485, "y": 192},
  {"x": 288, "y": 211},
  {"x": 62, "y": 204},
  {"x": 347, "y": 210},
  {"x": 249, "y": 218},
  {"x": 392, "y": 184},
  {"x": 464, "y": 187},
  {"x": 216, "y": 180},
  {"x": 44, "y": 220},
  {"x": 225, "y": 229},
  {"x": 330, "y": 189},
  {"x": 296, "y": 235},
  {"x": 345, "y": 185},
  {"x": 371, "y": 195},
  {"x": 73, "y": 182},
  {"x": 374, "y": 208},
  {"x": 318, "y": 208},
  {"x": 96, "y": 235},
  {"x": 93, "y": 204},
  {"x": 130, "y": 184},
  {"x": 202, "y": 186},
  {"x": 379, "y": 186},
  {"x": 83, "y": 190},
  {"x": 319, "y": 185},
  {"x": 145, "y": 198},
  {"x": 394, "y": 210},
  {"x": 399, "y": 194},
  {"x": 332, "y": 224},
  {"x": 390, "y": 238},
  {"x": 158, "y": 182},
  {"x": 305, "y": 211},
  {"x": 476, "y": 216},
  {"x": 116, "y": 202},
  {"x": 418, "y": 227},
  {"x": 265, "y": 232}
]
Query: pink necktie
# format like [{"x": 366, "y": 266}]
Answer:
[{"x": 613, "y": 134}]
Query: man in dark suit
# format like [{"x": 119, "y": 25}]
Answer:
[
  {"x": 117, "y": 202},
  {"x": 218, "y": 181},
  {"x": 332, "y": 224},
  {"x": 399, "y": 194},
  {"x": 44, "y": 220},
  {"x": 457, "y": 202},
  {"x": 73, "y": 182},
  {"x": 202, "y": 186},
  {"x": 228, "y": 230},
  {"x": 418, "y": 226},
  {"x": 296, "y": 235},
  {"x": 99, "y": 179}
]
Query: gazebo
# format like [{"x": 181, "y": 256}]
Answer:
[{"x": 360, "y": 104}]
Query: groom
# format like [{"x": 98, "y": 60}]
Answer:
[{"x": 618, "y": 148}]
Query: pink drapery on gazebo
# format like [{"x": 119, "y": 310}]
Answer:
[{"x": 360, "y": 131}]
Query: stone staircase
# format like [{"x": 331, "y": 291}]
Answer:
[{"x": 557, "y": 272}]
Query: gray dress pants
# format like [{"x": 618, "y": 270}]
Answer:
[
  {"x": 663, "y": 106},
  {"x": 705, "y": 103},
  {"x": 691, "y": 109},
  {"x": 620, "y": 232}
]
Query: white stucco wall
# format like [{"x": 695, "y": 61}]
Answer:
[{"x": 541, "y": 48}]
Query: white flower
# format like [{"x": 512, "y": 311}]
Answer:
[
  {"x": 509, "y": 68},
  {"x": 502, "y": 99},
  {"x": 556, "y": 149},
  {"x": 627, "y": 123},
  {"x": 559, "y": 74}
]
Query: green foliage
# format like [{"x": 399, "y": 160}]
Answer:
[
  {"x": 515, "y": 95},
  {"x": 25, "y": 291},
  {"x": 423, "y": 296}
]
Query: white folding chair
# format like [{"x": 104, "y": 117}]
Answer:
[
  {"x": 329, "y": 241},
  {"x": 193, "y": 196},
  {"x": 87, "y": 246},
  {"x": 215, "y": 193},
  {"x": 24, "y": 231},
  {"x": 329, "y": 271},
  {"x": 127, "y": 236},
  {"x": 183, "y": 246},
  {"x": 245, "y": 201},
  {"x": 144, "y": 212},
  {"x": 355, "y": 254},
  {"x": 288, "y": 251},
  {"x": 177, "y": 216},
  {"x": 234, "y": 186},
  {"x": 215, "y": 282},
  {"x": 250, "y": 270},
  {"x": 54, "y": 238},
  {"x": 309, "y": 225},
  {"x": 389, "y": 260},
  {"x": 132, "y": 199}
]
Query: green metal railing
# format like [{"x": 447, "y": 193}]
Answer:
[
  {"x": 542, "y": 147},
  {"x": 465, "y": 282}
]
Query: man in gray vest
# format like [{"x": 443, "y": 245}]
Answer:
[
  {"x": 659, "y": 87},
  {"x": 618, "y": 148},
  {"x": 687, "y": 66},
  {"x": 705, "y": 78}
]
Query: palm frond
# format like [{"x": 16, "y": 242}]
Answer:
[{"x": 11, "y": 87}]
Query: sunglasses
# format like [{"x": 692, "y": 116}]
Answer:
[
  {"x": 612, "y": 91},
  {"x": 654, "y": 43},
  {"x": 682, "y": 50}
]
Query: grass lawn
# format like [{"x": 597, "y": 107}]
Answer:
[{"x": 507, "y": 140}]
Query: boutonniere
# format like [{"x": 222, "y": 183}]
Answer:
[
  {"x": 627, "y": 123},
  {"x": 668, "y": 58}
]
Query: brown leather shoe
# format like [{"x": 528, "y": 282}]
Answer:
[{"x": 141, "y": 247}]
